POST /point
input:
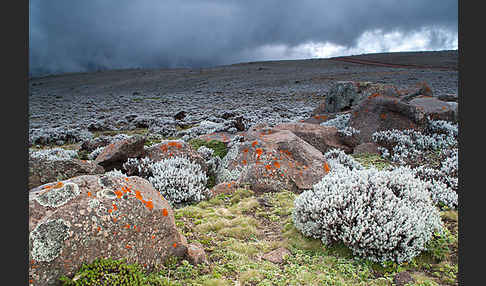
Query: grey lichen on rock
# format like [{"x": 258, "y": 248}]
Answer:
[
  {"x": 47, "y": 240},
  {"x": 58, "y": 196},
  {"x": 107, "y": 193}
]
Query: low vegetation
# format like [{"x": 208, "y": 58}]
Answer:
[{"x": 237, "y": 230}]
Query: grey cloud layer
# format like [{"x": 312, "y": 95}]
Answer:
[{"x": 86, "y": 35}]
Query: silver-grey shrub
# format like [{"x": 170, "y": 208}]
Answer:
[
  {"x": 178, "y": 179},
  {"x": 340, "y": 121},
  {"x": 442, "y": 188},
  {"x": 404, "y": 146},
  {"x": 380, "y": 215},
  {"x": 337, "y": 159},
  {"x": 54, "y": 154},
  {"x": 58, "y": 136}
]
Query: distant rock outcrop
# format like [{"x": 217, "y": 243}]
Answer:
[{"x": 343, "y": 95}]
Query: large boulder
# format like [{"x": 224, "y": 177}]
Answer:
[
  {"x": 271, "y": 160},
  {"x": 380, "y": 112},
  {"x": 323, "y": 138},
  {"x": 175, "y": 148},
  {"x": 343, "y": 95},
  {"x": 75, "y": 221},
  {"x": 42, "y": 171},
  {"x": 115, "y": 154},
  {"x": 436, "y": 109}
]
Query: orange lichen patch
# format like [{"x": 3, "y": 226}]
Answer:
[
  {"x": 326, "y": 167},
  {"x": 244, "y": 162},
  {"x": 383, "y": 116},
  {"x": 174, "y": 245},
  {"x": 110, "y": 210},
  {"x": 115, "y": 207},
  {"x": 165, "y": 212},
  {"x": 127, "y": 226},
  {"x": 118, "y": 193},
  {"x": 164, "y": 148},
  {"x": 47, "y": 187},
  {"x": 149, "y": 204},
  {"x": 89, "y": 194},
  {"x": 153, "y": 236},
  {"x": 138, "y": 195},
  {"x": 254, "y": 143},
  {"x": 175, "y": 144},
  {"x": 115, "y": 219},
  {"x": 245, "y": 150},
  {"x": 128, "y": 246},
  {"x": 268, "y": 167},
  {"x": 319, "y": 117},
  {"x": 373, "y": 95},
  {"x": 58, "y": 185},
  {"x": 276, "y": 164},
  {"x": 99, "y": 228},
  {"x": 259, "y": 152},
  {"x": 126, "y": 179}
]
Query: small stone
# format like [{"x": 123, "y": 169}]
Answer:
[
  {"x": 277, "y": 256},
  {"x": 403, "y": 278},
  {"x": 196, "y": 254}
]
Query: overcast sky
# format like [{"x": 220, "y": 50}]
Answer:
[{"x": 86, "y": 35}]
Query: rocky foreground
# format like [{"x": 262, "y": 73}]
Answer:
[{"x": 139, "y": 145}]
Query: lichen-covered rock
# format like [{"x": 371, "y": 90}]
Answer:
[
  {"x": 115, "y": 154},
  {"x": 323, "y": 138},
  {"x": 175, "y": 148},
  {"x": 380, "y": 112},
  {"x": 42, "y": 170},
  {"x": 272, "y": 160},
  {"x": 74, "y": 221},
  {"x": 345, "y": 94},
  {"x": 224, "y": 188},
  {"x": 436, "y": 109}
]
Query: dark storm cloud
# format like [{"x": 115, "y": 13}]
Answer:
[{"x": 86, "y": 35}]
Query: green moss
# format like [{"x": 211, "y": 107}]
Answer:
[
  {"x": 139, "y": 131},
  {"x": 106, "y": 271},
  {"x": 372, "y": 160},
  {"x": 218, "y": 147},
  {"x": 211, "y": 182},
  {"x": 83, "y": 154},
  {"x": 297, "y": 240}
]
